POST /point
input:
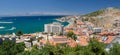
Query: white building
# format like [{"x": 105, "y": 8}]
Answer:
[
  {"x": 28, "y": 44},
  {"x": 55, "y": 28},
  {"x": 7, "y": 37},
  {"x": 97, "y": 30}
]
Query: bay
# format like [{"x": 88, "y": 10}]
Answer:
[{"x": 27, "y": 24}]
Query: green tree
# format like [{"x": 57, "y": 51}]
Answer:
[
  {"x": 10, "y": 48},
  {"x": 115, "y": 50},
  {"x": 40, "y": 38},
  {"x": 51, "y": 33},
  {"x": 19, "y": 33},
  {"x": 32, "y": 39},
  {"x": 75, "y": 21},
  {"x": 24, "y": 53},
  {"x": 96, "y": 47},
  {"x": 71, "y": 35}
]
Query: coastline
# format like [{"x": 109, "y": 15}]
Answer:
[{"x": 64, "y": 19}]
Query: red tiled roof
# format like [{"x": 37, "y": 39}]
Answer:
[
  {"x": 108, "y": 33},
  {"x": 72, "y": 43},
  {"x": 83, "y": 41},
  {"x": 46, "y": 41},
  {"x": 109, "y": 40}
]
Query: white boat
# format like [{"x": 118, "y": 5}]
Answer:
[
  {"x": 1, "y": 27},
  {"x": 12, "y": 28}
]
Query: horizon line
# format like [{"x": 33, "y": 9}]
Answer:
[{"x": 38, "y": 14}]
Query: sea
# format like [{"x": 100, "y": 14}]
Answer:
[{"x": 27, "y": 24}]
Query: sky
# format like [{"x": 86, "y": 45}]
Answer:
[{"x": 54, "y": 6}]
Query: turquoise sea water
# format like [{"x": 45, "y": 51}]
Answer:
[{"x": 28, "y": 24}]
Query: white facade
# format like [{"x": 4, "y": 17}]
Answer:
[
  {"x": 27, "y": 44},
  {"x": 47, "y": 28},
  {"x": 97, "y": 30},
  {"x": 55, "y": 28}
]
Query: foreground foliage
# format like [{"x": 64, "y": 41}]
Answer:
[
  {"x": 94, "y": 48},
  {"x": 10, "y": 48}
]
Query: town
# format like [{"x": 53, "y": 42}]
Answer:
[{"x": 75, "y": 33}]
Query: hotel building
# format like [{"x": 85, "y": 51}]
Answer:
[{"x": 55, "y": 28}]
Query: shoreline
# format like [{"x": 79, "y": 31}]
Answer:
[{"x": 63, "y": 19}]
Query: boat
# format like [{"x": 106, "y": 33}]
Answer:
[{"x": 12, "y": 28}]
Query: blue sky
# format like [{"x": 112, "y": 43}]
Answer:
[{"x": 55, "y": 6}]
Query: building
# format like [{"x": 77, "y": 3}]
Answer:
[
  {"x": 57, "y": 40},
  {"x": 115, "y": 40},
  {"x": 60, "y": 40},
  {"x": 7, "y": 38},
  {"x": 28, "y": 44},
  {"x": 97, "y": 30},
  {"x": 55, "y": 28}
]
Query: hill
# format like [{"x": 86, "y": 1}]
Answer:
[{"x": 104, "y": 17}]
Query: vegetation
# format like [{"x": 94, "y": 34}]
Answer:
[
  {"x": 40, "y": 38},
  {"x": 75, "y": 21},
  {"x": 19, "y": 33},
  {"x": 71, "y": 35},
  {"x": 97, "y": 48},
  {"x": 94, "y": 48},
  {"x": 115, "y": 50},
  {"x": 99, "y": 12},
  {"x": 10, "y": 48},
  {"x": 31, "y": 39}
]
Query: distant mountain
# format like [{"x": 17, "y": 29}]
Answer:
[{"x": 37, "y": 14}]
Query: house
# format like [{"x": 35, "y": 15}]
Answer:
[
  {"x": 83, "y": 40},
  {"x": 34, "y": 42},
  {"x": 7, "y": 37},
  {"x": 60, "y": 40},
  {"x": 116, "y": 40},
  {"x": 106, "y": 33},
  {"x": 28, "y": 44},
  {"x": 72, "y": 43},
  {"x": 97, "y": 30},
  {"x": 106, "y": 39}
]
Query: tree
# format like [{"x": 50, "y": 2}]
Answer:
[
  {"x": 40, "y": 38},
  {"x": 10, "y": 48},
  {"x": 75, "y": 21},
  {"x": 96, "y": 47},
  {"x": 51, "y": 33},
  {"x": 71, "y": 35},
  {"x": 19, "y": 33},
  {"x": 60, "y": 34},
  {"x": 32, "y": 39},
  {"x": 24, "y": 53},
  {"x": 115, "y": 50}
]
